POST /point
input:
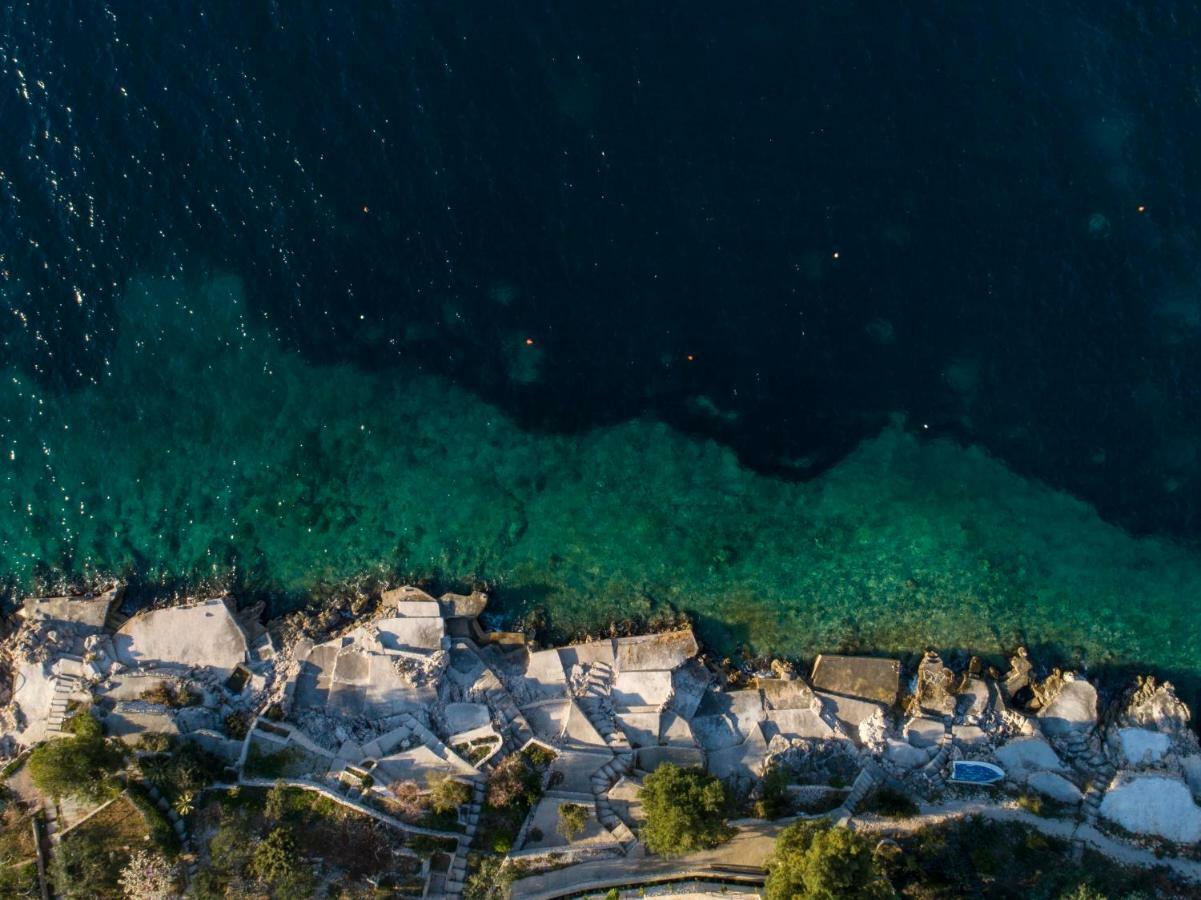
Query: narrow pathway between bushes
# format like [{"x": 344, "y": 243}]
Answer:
[
  {"x": 743, "y": 858},
  {"x": 1066, "y": 829}
]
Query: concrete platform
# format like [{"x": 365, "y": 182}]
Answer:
[
  {"x": 203, "y": 634},
  {"x": 866, "y": 677}
]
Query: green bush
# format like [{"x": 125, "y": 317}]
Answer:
[
  {"x": 816, "y": 862},
  {"x": 514, "y": 781},
  {"x": 161, "y": 832},
  {"x": 447, "y": 795},
  {"x": 79, "y": 766},
  {"x": 893, "y": 804},
  {"x": 491, "y": 880},
  {"x": 774, "y": 800},
  {"x": 685, "y": 810},
  {"x": 189, "y": 769},
  {"x": 573, "y": 818}
]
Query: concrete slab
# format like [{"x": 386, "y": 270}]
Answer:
[
  {"x": 544, "y": 825},
  {"x": 1141, "y": 746},
  {"x": 923, "y": 732},
  {"x": 866, "y": 677},
  {"x": 653, "y": 652},
  {"x": 548, "y": 718},
  {"x": 203, "y": 634},
  {"x": 89, "y": 610},
  {"x": 640, "y": 728},
  {"x": 406, "y": 594},
  {"x": 905, "y": 755},
  {"x": 1156, "y": 805},
  {"x": 794, "y": 724},
  {"x": 588, "y": 654},
  {"x": 418, "y": 609},
  {"x": 650, "y": 758},
  {"x": 462, "y": 717},
  {"x": 352, "y": 667},
  {"x": 128, "y": 722},
  {"x": 641, "y": 688},
  {"x": 674, "y": 730},
  {"x": 742, "y": 762},
  {"x": 969, "y": 735},
  {"x": 410, "y": 635},
  {"x": 850, "y": 711},
  {"x": 418, "y": 764},
  {"x": 572, "y": 770},
  {"x": 545, "y": 677},
  {"x": 715, "y": 732},
  {"x": 975, "y": 700},
  {"x": 580, "y": 731},
  {"x": 1055, "y": 786},
  {"x": 623, "y": 797},
  {"x": 690, "y": 683},
  {"x": 779, "y": 693}
]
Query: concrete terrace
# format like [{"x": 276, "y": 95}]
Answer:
[{"x": 417, "y": 693}]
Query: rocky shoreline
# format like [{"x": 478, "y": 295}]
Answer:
[{"x": 407, "y": 689}]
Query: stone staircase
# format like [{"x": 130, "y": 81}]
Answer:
[
  {"x": 865, "y": 782},
  {"x": 514, "y": 730},
  {"x": 65, "y": 684},
  {"x": 456, "y": 874},
  {"x": 596, "y": 705},
  {"x": 933, "y": 771},
  {"x": 602, "y": 781}
]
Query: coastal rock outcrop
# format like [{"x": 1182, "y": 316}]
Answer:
[{"x": 1154, "y": 804}]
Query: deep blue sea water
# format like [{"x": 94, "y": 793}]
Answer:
[{"x": 827, "y": 322}]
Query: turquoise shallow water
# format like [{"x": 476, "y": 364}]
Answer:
[{"x": 208, "y": 453}]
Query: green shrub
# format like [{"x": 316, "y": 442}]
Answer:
[
  {"x": 79, "y": 766},
  {"x": 269, "y": 765},
  {"x": 774, "y": 800},
  {"x": 447, "y": 795},
  {"x": 814, "y": 862},
  {"x": 516, "y": 780},
  {"x": 892, "y": 804},
  {"x": 491, "y": 880},
  {"x": 237, "y": 726},
  {"x": 573, "y": 818},
  {"x": 685, "y": 810},
  {"x": 161, "y": 832}
]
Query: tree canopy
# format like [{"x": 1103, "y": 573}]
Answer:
[
  {"x": 685, "y": 810},
  {"x": 78, "y": 766},
  {"x": 817, "y": 862}
]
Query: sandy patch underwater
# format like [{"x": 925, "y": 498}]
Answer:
[{"x": 209, "y": 450}]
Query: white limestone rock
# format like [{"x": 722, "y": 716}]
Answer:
[
  {"x": 969, "y": 735},
  {"x": 1074, "y": 709},
  {"x": 1142, "y": 746},
  {"x": 1054, "y": 786},
  {"x": 1191, "y": 766},
  {"x": 904, "y": 755},
  {"x": 1029, "y": 754},
  {"x": 1157, "y": 805},
  {"x": 923, "y": 732}
]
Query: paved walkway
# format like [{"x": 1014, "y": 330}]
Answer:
[
  {"x": 741, "y": 859},
  {"x": 1066, "y": 829},
  {"x": 744, "y": 857}
]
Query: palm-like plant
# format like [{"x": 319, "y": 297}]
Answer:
[{"x": 186, "y": 803}]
